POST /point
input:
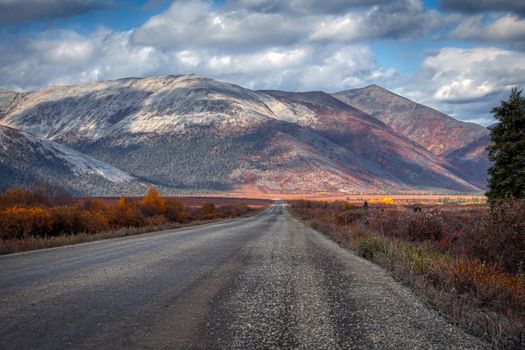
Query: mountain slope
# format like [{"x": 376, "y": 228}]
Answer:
[
  {"x": 6, "y": 99},
  {"x": 25, "y": 159},
  {"x": 188, "y": 132},
  {"x": 460, "y": 144}
]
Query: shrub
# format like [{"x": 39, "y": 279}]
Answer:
[
  {"x": 385, "y": 201},
  {"x": 125, "y": 214},
  {"x": 95, "y": 205},
  {"x": 24, "y": 222},
  {"x": 424, "y": 226},
  {"x": 369, "y": 247},
  {"x": 208, "y": 210},
  {"x": 152, "y": 204},
  {"x": 499, "y": 236},
  {"x": 228, "y": 211},
  {"x": 18, "y": 197},
  {"x": 74, "y": 220},
  {"x": 174, "y": 211}
]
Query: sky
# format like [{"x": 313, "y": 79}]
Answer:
[{"x": 461, "y": 57}]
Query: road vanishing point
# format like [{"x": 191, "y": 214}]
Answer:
[{"x": 261, "y": 282}]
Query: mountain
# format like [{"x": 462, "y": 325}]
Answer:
[
  {"x": 460, "y": 145},
  {"x": 6, "y": 99},
  {"x": 198, "y": 134},
  {"x": 26, "y": 159}
]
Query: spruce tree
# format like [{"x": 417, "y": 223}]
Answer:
[{"x": 507, "y": 149}]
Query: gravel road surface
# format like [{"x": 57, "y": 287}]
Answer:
[{"x": 266, "y": 281}]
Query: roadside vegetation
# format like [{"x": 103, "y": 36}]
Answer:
[
  {"x": 37, "y": 219},
  {"x": 468, "y": 261}
]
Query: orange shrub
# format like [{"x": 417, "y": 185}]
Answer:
[
  {"x": 174, "y": 211},
  {"x": 125, "y": 214},
  {"x": 152, "y": 204},
  {"x": 18, "y": 197},
  {"x": 73, "y": 220},
  {"x": 95, "y": 205},
  {"x": 25, "y": 222}
]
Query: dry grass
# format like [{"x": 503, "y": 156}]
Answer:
[{"x": 434, "y": 253}]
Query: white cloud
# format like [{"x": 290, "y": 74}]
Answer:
[
  {"x": 465, "y": 83},
  {"x": 468, "y": 74},
  {"x": 264, "y": 24},
  {"x": 194, "y": 24},
  {"x": 66, "y": 57}
]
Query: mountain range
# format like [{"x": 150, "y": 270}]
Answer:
[{"x": 193, "y": 134}]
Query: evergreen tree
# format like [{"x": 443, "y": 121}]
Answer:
[{"x": 507, "y": 149}]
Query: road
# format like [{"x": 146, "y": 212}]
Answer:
[{"x": 266, "y": 281}]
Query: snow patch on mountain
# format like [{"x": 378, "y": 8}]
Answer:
[{"x": 78, "y": 163}]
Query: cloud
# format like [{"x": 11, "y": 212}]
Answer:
[
  {"x": 466, "y": 83},
  {"x": 394, "y": 21},
  {"x": 18, "y": 11},
  {"x": 467, "y": 75},
  {"x": 295, "y": 45},
  {"x": 247, "y": 24},
  {"x": 192, "y": 24},
  {"x": 508, "y": 29},
  {"x": 478, "y": 6},
  {"x": 303, "y": 7},
  {"x": 66, "y": 57}
]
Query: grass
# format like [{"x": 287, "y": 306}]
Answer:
[{"x": 487, "y": 298}]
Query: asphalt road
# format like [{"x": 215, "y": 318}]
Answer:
[{"x": 265, "y": 281}]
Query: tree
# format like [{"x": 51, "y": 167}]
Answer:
[
  {"x": 125, "y": 214},
  {"x": 507, "y": 149},
  {"x": 174, "y": 210},
  {"x": 153, "y": 204}
]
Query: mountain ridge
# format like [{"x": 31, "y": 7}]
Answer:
[
  {"x": 26, "y": 159},
  {"x": 194, "y": 133},
  {"x": 459, "y": 144}
]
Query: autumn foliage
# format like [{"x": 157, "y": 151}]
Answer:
[
  {"x": 153, "y": 204},
  {"x": 25, "y": 214},
  {"x": 467, "y": 260},
  {"x": 24, "y": 222}
]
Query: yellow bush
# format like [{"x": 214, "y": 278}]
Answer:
[{"x": 385, "y": 200}]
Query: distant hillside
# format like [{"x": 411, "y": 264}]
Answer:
[
  {"x": 197, "y": 134},
  {"x": 460, "y": 144},
  {"x": 26, "y": 159}
]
